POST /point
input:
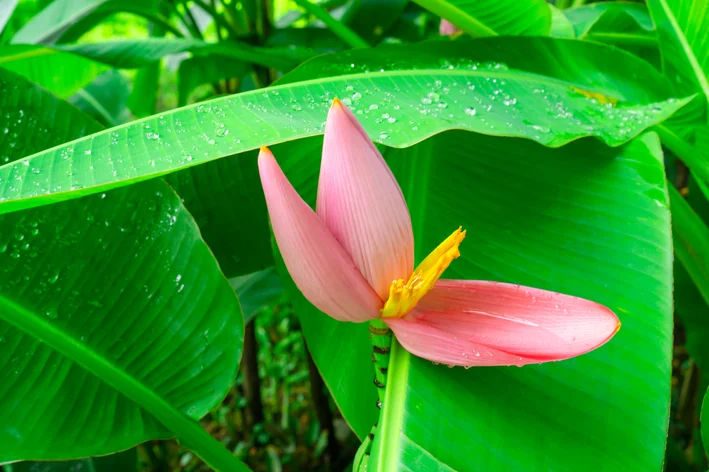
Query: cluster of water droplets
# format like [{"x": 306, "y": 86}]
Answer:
[{"x": 396, "y": 105}]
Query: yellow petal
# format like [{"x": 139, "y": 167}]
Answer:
[{"x": 403, "y": 296}]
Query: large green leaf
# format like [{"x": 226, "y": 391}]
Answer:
[
  {"x": 493, "y": 17},
  {"x": 59, "y": 15},
  {"x": 226, "y": 200},
  {"x": 691, "y": 242},
  {"x": 257, "y": 290},
  {"x": 609, "y": 16},
  {"x": 105, "y": 99},
  {"x": 143, "y": 97},
  {"x": 6, "y": 12},
  {"x": 584, "y": 219},
  {"x": 402, "y": 94},
  {"x": 622, "y": 24},
  {"x": 372, "y": 18},
  {"x": 116, "y": 324},
  {"x": 197, "y": 71},
  {"x": 40, "y": 65},
  {"x": 138, "y": 52},
  {"x": 67, "y": 20},
  {"x": 682, "y": 29},
  {"x": 561, "y": 27}
]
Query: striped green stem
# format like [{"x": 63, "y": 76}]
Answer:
[{"x": 381, "y": 337}]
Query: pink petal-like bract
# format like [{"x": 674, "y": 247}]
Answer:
[
  {"x": 361, "y": 203},
  {"x": 446, "y": 28},
  {"x": 472, "y": 322},
  {"x": 318, "y": 264}
]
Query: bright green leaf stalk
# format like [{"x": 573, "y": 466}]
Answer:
[
  {"x": 337, "y": 28},
  {"x": 381, "y": 337}
]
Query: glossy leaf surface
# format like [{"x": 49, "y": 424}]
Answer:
[
  {"x": 111, "y": 308},
  {"x": 494, "y": 17},
  {"x": 609, "y": 16},
  {"x": 257, "y": 290},
  {"x": 543, "y": 91},
  {"x": 40, "y": 65},
  {"x": 682, "y": 31}
]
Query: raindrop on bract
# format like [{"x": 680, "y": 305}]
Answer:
[
  {"x": 152, "y": 135},
  {"x": 221, "y": 132},
  {"x": 470, "y": 111},
  {"x": 52, "y": 313}
]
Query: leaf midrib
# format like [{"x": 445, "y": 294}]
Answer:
[
  {"x": 696, "y": 68},
  {"x": 511, "y": 74},
  {"x": 464, "y": 21},
  {"x": 392, "y": 417},
  {"x": 78, "y": 14},
  {"x": 61, "y": 341}
]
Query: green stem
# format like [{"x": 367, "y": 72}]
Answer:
[
  {"x": 466, "y": 22},
  {"x": 381, "y": 337},
  {"x": 386, "y": 444},
  {"x": 187, "y": 430},
  {"x": 578, "y": 3},
  {"x": 218, "y": 19},
  {"x": 698, "y": 164},
  {"x": 623, "y": 39},
  {"x": 195, "y": 30},
  {"x": 562, "y": 4},
  {"x": 155, "y": 19},
  {"x": 97, "y": 106},
  {"x": 338, "y": 29},
  {"x": 183, "y": 20}
]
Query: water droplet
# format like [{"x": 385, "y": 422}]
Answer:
[
  {"x": 151, "y": 135},
  {"x": 52, "y": 313},
  {"x": 383, "y": 136},
  {"x": 356, "y": 96}
]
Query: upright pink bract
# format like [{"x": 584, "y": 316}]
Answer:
[
  {"x": 345, "y": 257},
  {"x": 447, "y": 28}
]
